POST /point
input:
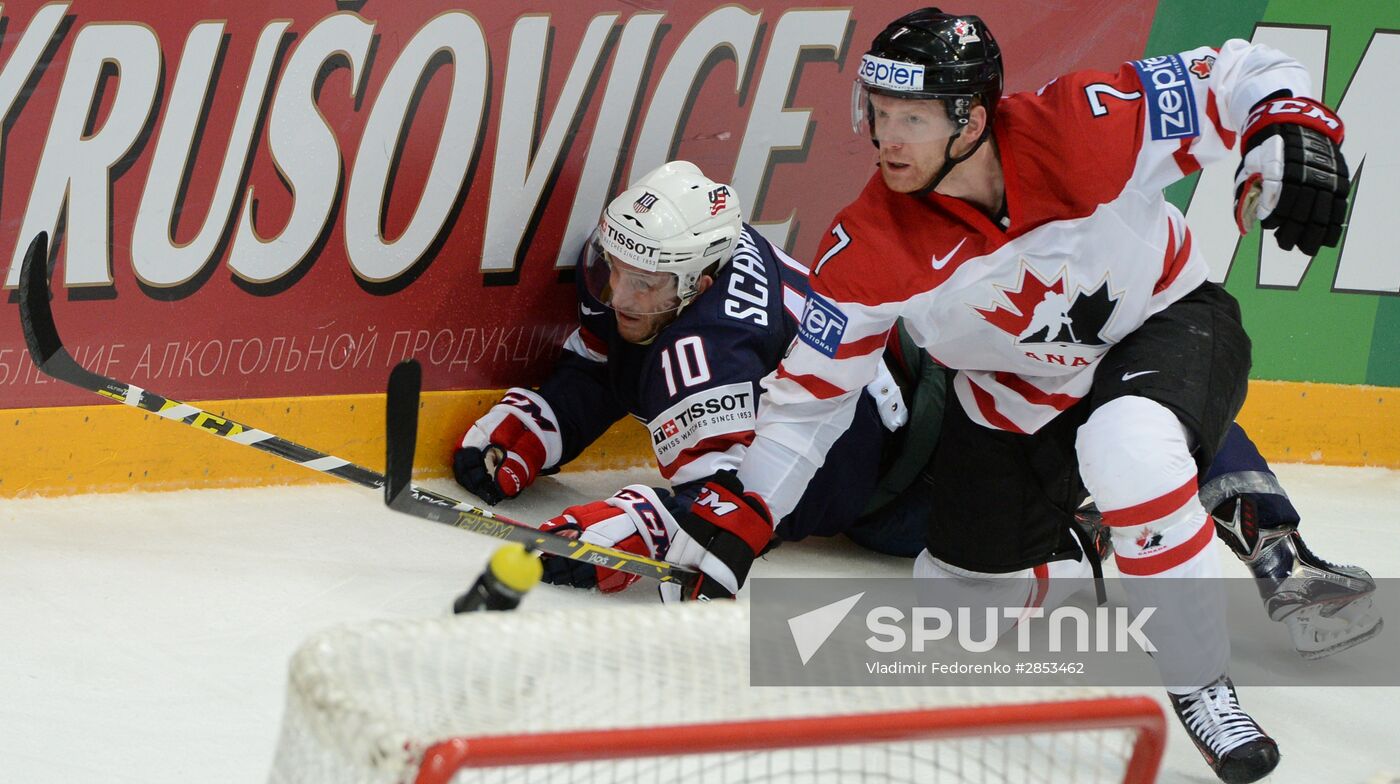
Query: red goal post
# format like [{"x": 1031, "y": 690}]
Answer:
[{"x": 1142, "y": 715}]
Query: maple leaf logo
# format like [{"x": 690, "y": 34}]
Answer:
[
  {"x": 1043, "y": 312},
  {"x": 1201, "y": 68},
  {"x": 1148, "y": 540},
  {"x": 1030, "y": 292}
]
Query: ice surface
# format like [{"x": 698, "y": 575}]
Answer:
[{"x": 144, "y": 637}]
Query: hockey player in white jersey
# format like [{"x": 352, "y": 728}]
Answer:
[
  {"x": 615, "y": 363},
  {"x": 982, "y": 208}
]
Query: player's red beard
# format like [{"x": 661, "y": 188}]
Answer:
[{"x": 909, "y": 167}]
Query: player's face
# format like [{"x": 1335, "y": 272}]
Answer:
[
  {"x": 644, "y": 301},
  {"x": 913, "y": 138}
]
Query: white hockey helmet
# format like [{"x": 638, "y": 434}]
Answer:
[{"x": 673, "y": 220}]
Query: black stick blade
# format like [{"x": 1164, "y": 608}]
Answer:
[
  {"x": 35, "y": 314},
  {"x": 401, "y": 427}
]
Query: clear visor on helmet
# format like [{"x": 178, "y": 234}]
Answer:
[
  {"x": 627, "y": 289},
  {"x": 898, "y": 120}
]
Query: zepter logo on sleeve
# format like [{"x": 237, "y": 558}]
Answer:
[{"x": 822, "y": 325}]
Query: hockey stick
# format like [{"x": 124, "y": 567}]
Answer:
[
  {"x": 51, "y": 358},
  {"x": 401, "y": 434}
]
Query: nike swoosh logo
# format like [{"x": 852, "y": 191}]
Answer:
[
  {"x": 1131, "y": 376},
  {"x": 939, "y": 263},
  {"x": 587, "y": 311}
]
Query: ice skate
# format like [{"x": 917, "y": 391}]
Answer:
[
  {"x": 1232, "y": 743},
  {"x": 1327, "y": 607}
]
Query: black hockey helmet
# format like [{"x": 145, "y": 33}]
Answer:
[{"x": 930, "y": 54}]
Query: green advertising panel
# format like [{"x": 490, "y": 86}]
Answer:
[{"x": 1336, "y": 318}]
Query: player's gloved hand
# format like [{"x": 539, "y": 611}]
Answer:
[
  {"x": 1292, "y": 176},
  {"x": 635, "y": 520},
  {"x": 721, "y": 535},
  {"x": 504, "y": 451}
]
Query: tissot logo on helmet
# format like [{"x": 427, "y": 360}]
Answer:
[
  {"x": 627, "y": 246},
  {"x": 673, "y": 220}
]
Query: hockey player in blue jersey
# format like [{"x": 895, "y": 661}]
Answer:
[{"x": 683, "y": 309}]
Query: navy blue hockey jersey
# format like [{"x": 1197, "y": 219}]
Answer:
[{"x": 696, "y": 386}]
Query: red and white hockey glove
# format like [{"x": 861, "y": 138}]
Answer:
[
  {"x": 635, "y": 519},
  {"x": 504, "y": 451},
  {"x": 1292, "y": 177},
  {"x": 721, "y": 535}
]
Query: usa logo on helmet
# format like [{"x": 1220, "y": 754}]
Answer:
[
  {"x": 644, "y": 203},
  {"x": 719, "y": 199}
]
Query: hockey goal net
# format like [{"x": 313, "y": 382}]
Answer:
[{"x": 661, "y": 694}]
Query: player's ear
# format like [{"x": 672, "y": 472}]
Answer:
[
  {"x": 702, "y": 283},
  {"x": 976, "y": 124}
]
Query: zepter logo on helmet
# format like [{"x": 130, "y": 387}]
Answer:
[
  {"x": 919, "y": 58},
  {"x": 658, "y": 237}
]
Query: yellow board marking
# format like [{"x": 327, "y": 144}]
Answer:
[{"x": 105, "y": 448}]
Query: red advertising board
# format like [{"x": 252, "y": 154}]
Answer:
[{"x": 281, "y": 199}]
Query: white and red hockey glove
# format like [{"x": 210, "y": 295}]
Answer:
[
  {"x": 721, "y": 535},
  {"x": 635, "y": 519},
  {"x": 504, "y": 451},
  {"x": 1293, "y": 178}
]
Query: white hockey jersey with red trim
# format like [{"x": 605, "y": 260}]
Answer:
[{"x": 1023, "y": 312}]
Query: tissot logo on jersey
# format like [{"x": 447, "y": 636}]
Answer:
[
  {"x": 693, "y": 410},
  {"x": 1171, "y": 110},
  {"x": 822, "y": 325},
  {"x": 710, "y": 412},
  {"x": 892, "y": 74}
]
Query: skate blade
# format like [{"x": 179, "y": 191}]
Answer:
[
  {"x": 1327, "y": 607},
  {"x": 1341, "y": 646}
]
